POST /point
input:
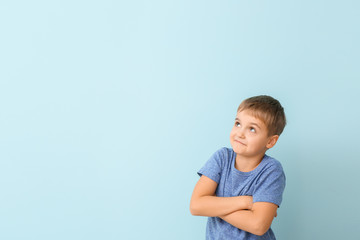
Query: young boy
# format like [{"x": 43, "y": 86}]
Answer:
[{"x": 241, "y": 188}]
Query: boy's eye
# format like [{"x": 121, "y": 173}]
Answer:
[
  {"x": 237, "y": 124},
  {"x": 252, "y": 129}
]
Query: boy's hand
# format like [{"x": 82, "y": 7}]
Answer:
[{"x": 247, "y": 201}]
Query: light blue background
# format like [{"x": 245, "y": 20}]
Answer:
[{"x": 108, "y": 109}]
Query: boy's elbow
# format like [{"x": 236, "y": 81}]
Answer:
[
  {"x": 197, "y": 206},
  {"x": 194, "y": 210},
  {"x": 260, "y": 228},
  {"x": 259, "y": 231}
]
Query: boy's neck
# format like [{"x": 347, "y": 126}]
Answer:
[{"x": 245, "y": 164}]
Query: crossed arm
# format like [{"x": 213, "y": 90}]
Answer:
[{"x": 239, "y": 211}]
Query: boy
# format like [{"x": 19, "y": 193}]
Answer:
[{"x": 241, "y": 188}]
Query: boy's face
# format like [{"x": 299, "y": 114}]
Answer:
[{"x": 249, "y": 136}]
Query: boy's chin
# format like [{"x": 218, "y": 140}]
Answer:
[{"x": 238, "y": 151}]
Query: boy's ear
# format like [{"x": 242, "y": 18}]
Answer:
[{"x": 272, "y": 141}]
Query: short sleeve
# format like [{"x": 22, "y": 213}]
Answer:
[
  {"x": 213, "y": 167},
  {"x": 271, "y": 185}
]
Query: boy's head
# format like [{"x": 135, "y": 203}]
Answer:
[{"x": 268, "y": 110}]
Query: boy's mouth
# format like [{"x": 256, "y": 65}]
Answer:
[{"x": 240, "y": 142}]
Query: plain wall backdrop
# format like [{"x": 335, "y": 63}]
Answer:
[{"x": 109, "y": 108}]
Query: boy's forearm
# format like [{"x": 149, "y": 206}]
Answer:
[
  {"x": 256, "y": 221},
  {"x": 244, "y": 220},
  {"x": 213, "y": 206}
]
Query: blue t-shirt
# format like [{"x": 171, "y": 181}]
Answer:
[{"x": 265, "y": 183}]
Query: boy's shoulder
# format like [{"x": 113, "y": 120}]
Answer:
[
  {"x": 225, "y": 150},
  {"x": 270, "y": 163},
  {"x": 224, "y": 153},
  {"x": 222, "y": 156}
]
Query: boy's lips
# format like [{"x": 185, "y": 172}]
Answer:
[{"x": 240, "y": 142}]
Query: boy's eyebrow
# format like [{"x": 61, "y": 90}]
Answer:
[{"x": 250, "y": 123}]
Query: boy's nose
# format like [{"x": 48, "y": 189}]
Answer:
[{"x": 241, "y": 133}]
